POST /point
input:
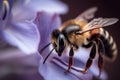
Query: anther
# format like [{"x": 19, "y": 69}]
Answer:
[{"x": 5, "y": 9}]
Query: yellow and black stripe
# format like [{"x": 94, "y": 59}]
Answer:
[{"x": 109, "y": 44}]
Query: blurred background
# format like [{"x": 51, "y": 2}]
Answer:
[{"x": 106, "y": 8}]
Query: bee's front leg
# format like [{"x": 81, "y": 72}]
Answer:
[{"x": 70, "y": 63}]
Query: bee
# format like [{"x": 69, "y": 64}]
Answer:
[{"x": 82, "y": 32}]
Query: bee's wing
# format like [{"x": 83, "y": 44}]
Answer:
[
  {"x": 88, "y": 14},
  {"x": 98, "y": 23}
]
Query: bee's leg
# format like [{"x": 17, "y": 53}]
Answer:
[
  {"x": 100, "y": 64},
  {"x": 101, "y": 51},
  {"x": 70, "y": 63},
  {"x": 91, "y": 57}
]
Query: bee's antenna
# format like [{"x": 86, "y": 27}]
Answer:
[
  {"x": 44, "y": 47},
  {"x": 48, "y": 55}
]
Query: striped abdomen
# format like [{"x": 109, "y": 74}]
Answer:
[{"x": 109, "y": 44}]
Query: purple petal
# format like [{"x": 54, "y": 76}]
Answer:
[
  {"x": 24, "y": 35},
  {"x": 50, "y": 6},
  {"x": 29, "y": 8},
  {"x": 46, "y": 24},
  {"x": 80, "y": 59},
  {"x": 15, "y": 62},
  {"x": 20, "y": 8},
  {"x": 57, "y": 67},
  {"x": 0, "y": 8},
  {"x": 11, "y": 54}
]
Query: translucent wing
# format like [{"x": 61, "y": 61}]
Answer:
[
  {"x": 98, "y": 23},
  {"x": 88, "y": 14}
]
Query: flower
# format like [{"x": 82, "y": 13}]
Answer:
[
  {"x": 22, "y": 34},
  {"x": 18, "y": 29},
  {"x": 26, "y": 34},
  {"x": 15, "y": 65},
  {"x": 56, "y": 66},
  {"x": 16, "y": 23}
]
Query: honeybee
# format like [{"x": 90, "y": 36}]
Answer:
[{"x": 79, "y": 32}]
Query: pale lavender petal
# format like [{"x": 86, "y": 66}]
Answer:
[
  {"x": 20, "y": 8},
  {"x": 11, "y": 2},
  {"x": 57, "y": 68},
  {"x": 13, "y": 61},
  {"x": 46, "y": 23},
  {"x": 23, "y": 35},
  {"x": 0, "y": 8},
  {"x": 50, "y": 6},
  {"x": 29, "y": 8},
  {"x": 80, "y": 58}
]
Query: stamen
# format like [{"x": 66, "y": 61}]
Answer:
[
  {"x": 58, "y": 61},
  {"x": 5, "y": 9},
  {"x": 74, "y": 70}
]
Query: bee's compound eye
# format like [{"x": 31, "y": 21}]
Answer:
[
  {"x": 61, "y": 44},
  {"x": 61, "y": 39},
  {"x": 55, "y": 33}
]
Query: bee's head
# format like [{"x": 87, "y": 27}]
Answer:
[{"x": 59, "y": 41}]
